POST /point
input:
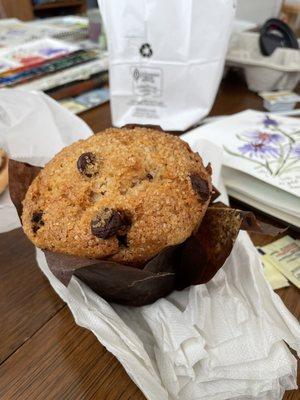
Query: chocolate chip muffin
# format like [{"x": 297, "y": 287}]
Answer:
[{"x": 122, "y": 194}]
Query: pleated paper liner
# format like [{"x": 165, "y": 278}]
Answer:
[{"x": 193, "y": 262}]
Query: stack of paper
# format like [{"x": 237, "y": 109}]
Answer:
[
  {"x": 47, "y": 63},
  {"x": 14, "y": 32},
  {"x": 29, "y": 55},
  {"x": 261, "y": 164},
  {"x": 67, "y": 27},
  {"x": 73, "y": 74}
]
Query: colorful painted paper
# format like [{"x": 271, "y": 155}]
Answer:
[
  {"x": 33, "y": 54},
  {"x": 262, "y": 145}
]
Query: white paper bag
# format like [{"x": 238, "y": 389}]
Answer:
[{"x": 166, "y": 58}]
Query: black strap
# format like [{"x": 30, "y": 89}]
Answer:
[{"x": 276, "y": 33}]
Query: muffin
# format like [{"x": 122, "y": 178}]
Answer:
[
  {"x": 3, "y": 170},
  {"x": 122, "y": 194}
]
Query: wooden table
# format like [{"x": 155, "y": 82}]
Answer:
[{"x": 43, "y": 353}]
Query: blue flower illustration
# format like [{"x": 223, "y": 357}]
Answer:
[
  {"x": 258, "y": 150},
  {"x": 270, "y": 122},
  {"x": 270, "y": 147},
  {"x": 264, "y": 137}
]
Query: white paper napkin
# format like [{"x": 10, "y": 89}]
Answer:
[{"x": 222, "y": 340}]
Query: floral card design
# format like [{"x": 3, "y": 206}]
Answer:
[
  {"x": 271, "y": 147},
  {"x": 262, "y": 145}
]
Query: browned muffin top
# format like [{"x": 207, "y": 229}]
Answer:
[{"x": 123, "y": 194}]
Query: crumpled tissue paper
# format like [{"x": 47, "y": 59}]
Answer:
[
  {"x": 226, "y": 339},
  {"x": 33, "y": 128}
]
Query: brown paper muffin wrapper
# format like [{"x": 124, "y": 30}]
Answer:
[{"x": 193, "y": 262}]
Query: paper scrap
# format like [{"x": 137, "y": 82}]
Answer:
[
  {"x": 275, "y": 278},
  {"x": 281, "y": 96},
  {"x": 73, "y": 106},
  {"x": 86, "y": 101},
  {"x": 284, "y": 255},
  {"x": 76, "y": 73}
]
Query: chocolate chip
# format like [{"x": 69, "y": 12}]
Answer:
[
  {"x": 149, "y": 176},
  {"x": 123, "y": 241},
  {"x": 200, "y": 186},
  {"x": 37, "y": 217},
  {"x": 37, "y": 221},
  {"x": 109, "y": 222},
  {"x": 35, "y": 228},
  {"x": 86, "y": 164}
]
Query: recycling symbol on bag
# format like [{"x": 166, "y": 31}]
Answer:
[{"x": 145, "y": 50}]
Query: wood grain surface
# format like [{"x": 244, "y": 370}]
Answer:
[
  {"x": 27, "y": 301},
  {"x": 64, "y": 361},
  {"x": 43, "y": 353}
]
